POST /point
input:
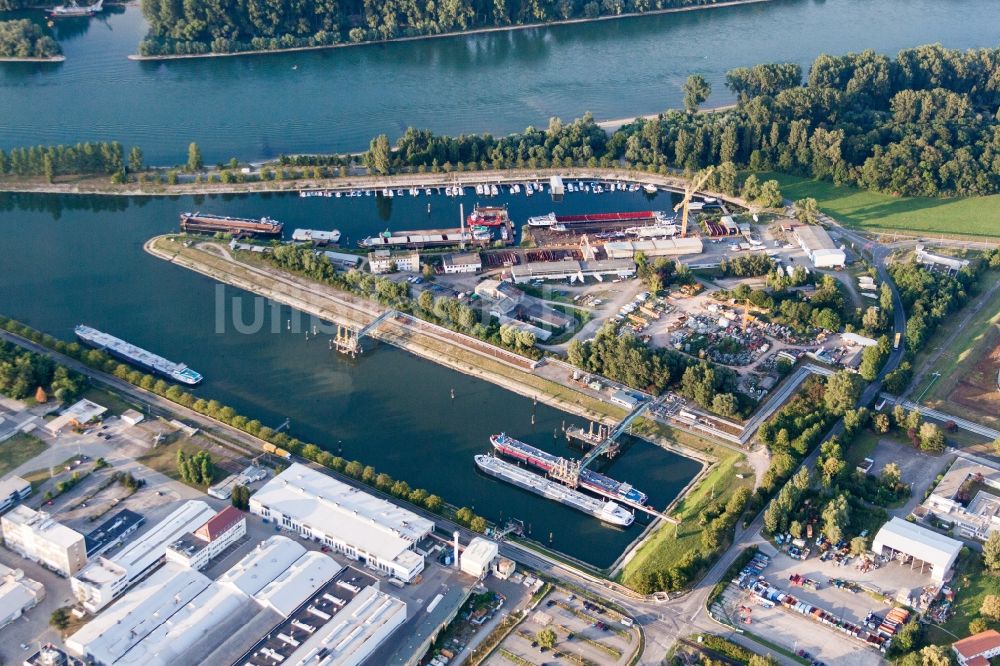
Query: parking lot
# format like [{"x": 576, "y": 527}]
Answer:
[
  {"x": 585, "y": 632},
  {"x": 816, "y": 584}
]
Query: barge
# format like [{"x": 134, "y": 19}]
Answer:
[
  {"x": 316, "y": 237},
  {"x": 129, "y": 353},
  {"x": 419, "y": 239},
  {"x": 590, "y": 480},
  {"x": 599, "y": 220},
  {"x": 237, "y": 226},
  {"x": 73, "y": 10},
  {"x": 606, "y": 511}
]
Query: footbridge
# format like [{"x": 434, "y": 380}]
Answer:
[{"x": 348, "y": 341}]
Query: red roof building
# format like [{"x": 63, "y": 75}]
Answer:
[
  {"x": 978, "y": 649},
  {"x": 219, "y": 524}
]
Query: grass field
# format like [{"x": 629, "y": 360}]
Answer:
[
  {"x": 972, "y": 216},
  {"x": 17, "y": 450},
  {"x": 971, "y": 583},
  {"x": 670, "y": 543}
]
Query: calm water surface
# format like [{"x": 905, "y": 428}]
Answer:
[
  {"x": 68, "y": 260},
  {"x": 253, "y": 107}
]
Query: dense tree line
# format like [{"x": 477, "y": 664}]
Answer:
[
  {"x": 225, "y": 26},
  {"x": 924, "y": 123},
  {"x": 22, "y": 372},
  {"x": 625, "y": 359},
  {"x": 197, "y": 469},
  {"x": 100, "y": 360},
  {"x": 929, "y": 297},
  {"x": 25, "y": 39},
  {"x": 747, "y": 265},
  {"x": 104, "y": 157}
]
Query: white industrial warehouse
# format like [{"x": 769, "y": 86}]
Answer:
[
  {"x": 362, "y": 526},
  {"x": 478, "y": 556},
  {"x": 820, "y": 248},
  {"x": 926, "y": 547}
]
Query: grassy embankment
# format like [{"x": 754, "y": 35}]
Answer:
[
  {"x": 871, "y": 211},
  {"x": 18, "y": 450},
  {"x": 670, "y": 543},
  {"x": 964, "y": 345}
]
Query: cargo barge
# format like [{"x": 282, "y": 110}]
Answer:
[
  {"x": 590, "y": 480},
  {"x": 424, "y": 238},
  {"x": 237, "y": 226},
  {"x": 600, "y": 220},
  {"x": 316, "y": 237},
  {"x": 129, "y": 353},
  {"x": 606, "y": 511}
]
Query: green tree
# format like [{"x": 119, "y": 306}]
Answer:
[
  {"x": 842, "y": 392},
  {"x": 194, "y": 162},
  {"x": 991, "y": 607},
  {"x": 696, "y": 91},
  {"x": 978, "y": 625},
  {"x": 859, "y": 545},
  {"x": 836, "y": 516},
  {"x": 546, "y": 638},
  {"x": 135, "y": 159},
  {"x": 880, "y": 422},
  {"x": 931, "y": 438},
  {"x": 379, "y": 154},
  {"x": 59, "y": 619},
  {"x": 807, "y": 210},
  {"x": 762, "y": 660},
  {"x": 991, "y": 552}
]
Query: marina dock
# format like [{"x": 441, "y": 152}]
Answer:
[{"x": 239, "y": 227}]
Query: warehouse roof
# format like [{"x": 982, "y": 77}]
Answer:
[
  {"x": 114, "y": 632},
  {"x": 480, "y": 551},
  {"x": 920, "y": 542},
  {"x": 977, "y": 644},
  {"x": 43, "y": 525},
  {"x": 263, "y": 564},
  {"x": 337, "y": 509},
  {"x": 293, "y": 586},
  {"x": 814, "y": 237},
  {"x": 151, "y": 546}
]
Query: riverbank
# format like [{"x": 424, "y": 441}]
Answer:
[
  {"x": 461, "y": 33},
  {"x": 347, "y": 183},
  {"x": 58, "y": 58}
]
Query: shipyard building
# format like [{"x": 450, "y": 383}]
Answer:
[{"x": 363, "y": 527}]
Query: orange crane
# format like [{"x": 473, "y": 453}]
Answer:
[{"x": 689, "y": 190}]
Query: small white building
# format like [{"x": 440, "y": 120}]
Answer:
[
  {"x": 855, "y": 339},
  {"x": 820, "y": 248},
  {"x": 926, "y": 547},
  {"x": 36, "y": 536},
  {"x": 384, "y": 261},
  {"x": 78, "y": 414},
  {"x": 17, "y": 594},
  {"x": 13, "y": 490},
  {"x": 197, "y": 549},
  {"x": 132, "y": 417},
  {"x": 625, "y": 399},
  {"x": 478, "y": 556},
  {"x": 948, "y": 263},
  {"x": 464, "y": 262}
]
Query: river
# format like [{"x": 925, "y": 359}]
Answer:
[
  {"x": 336, "y": 100},
  {"x": 73, "y": 259}
]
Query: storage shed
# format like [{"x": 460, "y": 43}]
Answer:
[{"x": 917, "y": 545}]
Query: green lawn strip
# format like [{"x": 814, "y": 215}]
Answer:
[
  {"x": 18, "y": 450},
  {"x": 774, "y": 647},
  {"x": 971, "y": 583},
  {"x": 971, "y": 216},
  {"x": 510, "y": 656},
  {"x": 116, "y": 404},
  {"x": 671, "y": 542}
]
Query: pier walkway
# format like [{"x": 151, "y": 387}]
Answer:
[{"x": 616, "y": 433}]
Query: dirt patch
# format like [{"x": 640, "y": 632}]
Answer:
[{"x": 977, "y": 390}]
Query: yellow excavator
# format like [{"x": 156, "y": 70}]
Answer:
[{"x": 697, "y": 182}]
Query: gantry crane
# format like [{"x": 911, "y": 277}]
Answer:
[{"x": 698, "y": 181}]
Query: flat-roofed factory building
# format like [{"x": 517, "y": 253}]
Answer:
[{"x": 363, "y": 527}]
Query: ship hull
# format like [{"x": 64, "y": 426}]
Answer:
[
  {"x": 592, "y": 481},
  {"x": 607, "y": 512},
  {"x": 180, "y": 374}
]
